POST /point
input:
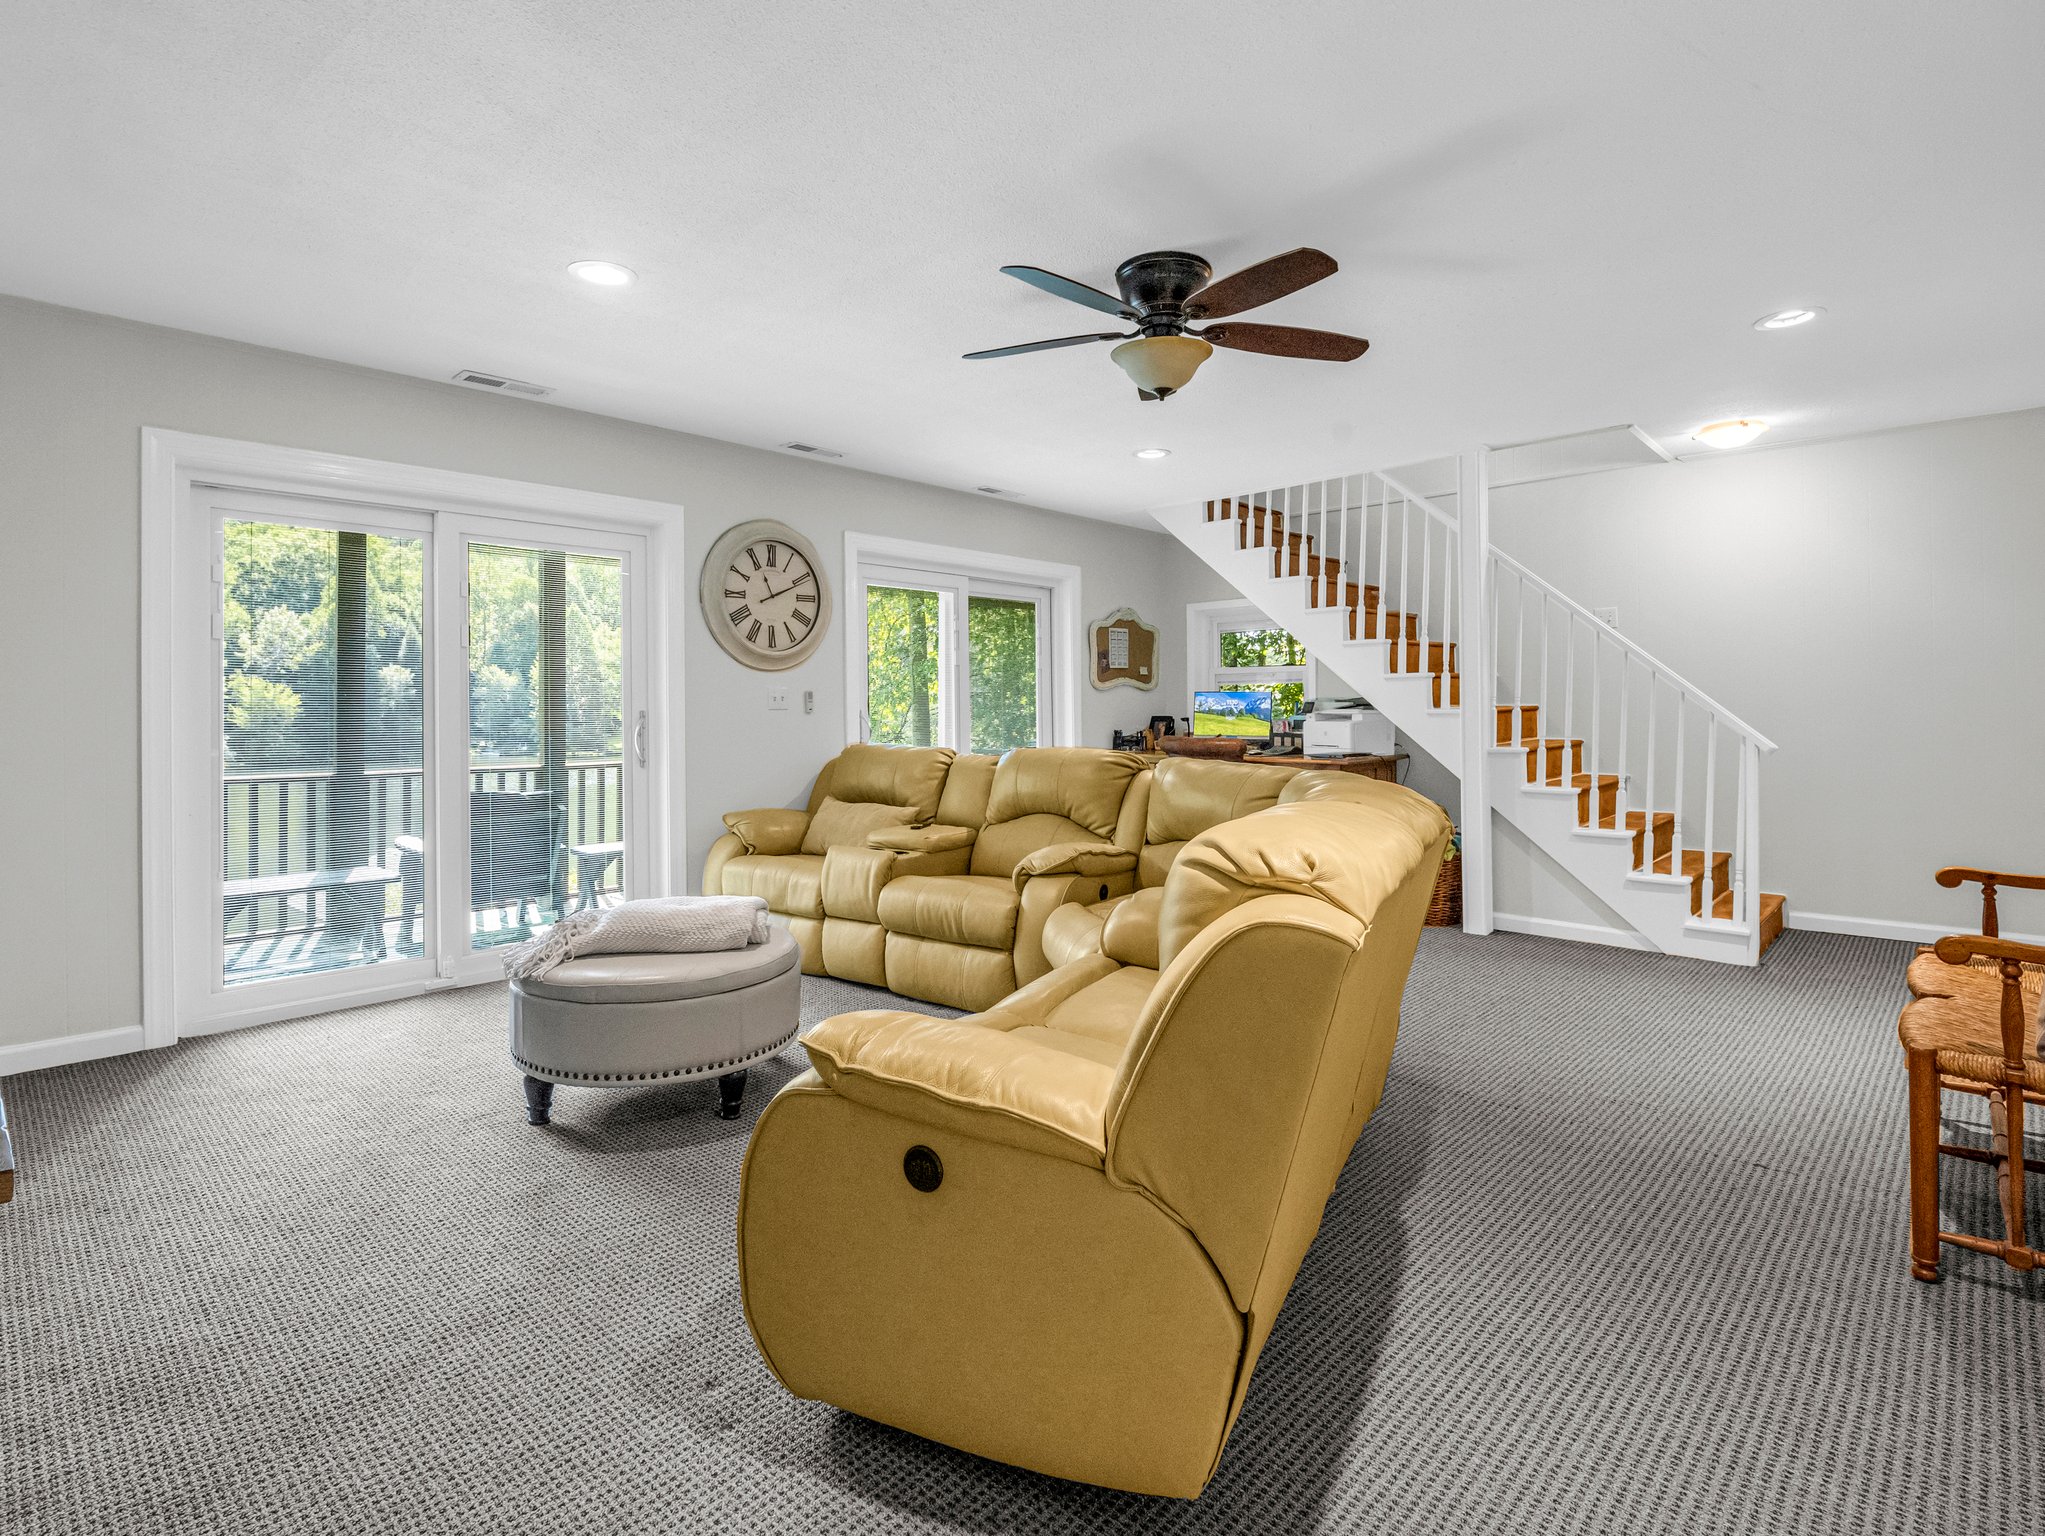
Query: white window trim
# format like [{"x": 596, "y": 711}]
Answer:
[
  {"x": 1205, "y": 623},
  {"x": 1062, "y": 677},
  {"x": 173, "y": 461}
]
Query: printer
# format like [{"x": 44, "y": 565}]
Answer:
[{"x": 1347, "y": 731}]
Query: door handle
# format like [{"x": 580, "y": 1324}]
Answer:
[{"x": 639, "y": 739}]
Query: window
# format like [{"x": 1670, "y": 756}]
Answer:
[
  {"x": 1232, "y": 645},
  {"x": 955, "y": 649}
]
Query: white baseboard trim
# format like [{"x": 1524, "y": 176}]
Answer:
[
  {"x": 1883, "y": 928},
  {"x": 34, "y": 1055},
  {"x": 1581, "y": 933}
]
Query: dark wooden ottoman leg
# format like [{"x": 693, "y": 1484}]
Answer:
[
  {"x": 731, "y": 1093},
  {"x": 539, "y": 1101}
]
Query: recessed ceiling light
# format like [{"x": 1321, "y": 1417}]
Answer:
[
  {"x": 1731, "y": 434},
  {"x": 1783, "y": 319},
  {"x": 1153, "y": 453},
  {"x": 605, "y": 274}
]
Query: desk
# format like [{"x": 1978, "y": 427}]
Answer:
[{"x": 1368, "y": 766}]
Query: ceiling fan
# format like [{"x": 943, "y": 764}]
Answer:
[{"x": 1165, "y": 293}]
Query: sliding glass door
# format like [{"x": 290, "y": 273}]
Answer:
[
  {"x": 405, "y": 738},
  {"x": 546, "y": 737},
  {"x": 953, "y": 661},
  {"x": 322, "y": 742}
]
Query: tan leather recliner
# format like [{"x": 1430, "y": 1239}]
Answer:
[
  {"x": 854, "y": 942},
  {"x": 1058, "y": 821},
  {"x": 1187, "y": 795},
  {"x": 779, "y": 854},
  {"x": 1058, "y": 1233}
]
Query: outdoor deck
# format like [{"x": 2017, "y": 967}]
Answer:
[{"x": 281, "y": 824}]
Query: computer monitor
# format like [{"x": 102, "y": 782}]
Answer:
[{"x": 1232, "y": 712}]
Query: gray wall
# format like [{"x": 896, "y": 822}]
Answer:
[
  {"x": 1876, "y": 606},
  {"x": 75, "y": 392}
]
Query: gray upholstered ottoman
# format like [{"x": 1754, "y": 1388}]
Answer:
[{"x": 618, "y": 1020}]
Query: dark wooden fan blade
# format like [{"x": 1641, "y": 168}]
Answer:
[
  {"x": 1066, "y": 288},
  {"x": 1288, "y": 341},
  {"x": 1045, "y": 346},
  {"x": 1260, "y": 284}
]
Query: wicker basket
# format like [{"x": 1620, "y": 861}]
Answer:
[{"x": 1445, "y": 910}]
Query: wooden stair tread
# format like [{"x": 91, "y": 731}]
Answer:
[{"x": 1771, "y": 914}]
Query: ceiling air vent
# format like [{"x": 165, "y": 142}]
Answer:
[
  {"x": 813, "y": 450},
  {"x": 494, "y": 381}
]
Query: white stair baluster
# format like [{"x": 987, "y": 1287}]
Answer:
[
  {"x": 1710, "y": 806},
  {"x": 1682, "y": 787}
]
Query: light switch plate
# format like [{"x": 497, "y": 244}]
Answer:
[
  {"x": 809, "y": 701},
  {"x": 777, "y": 696}
]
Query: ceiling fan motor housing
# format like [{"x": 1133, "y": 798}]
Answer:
[{"x": 1158, "y": 284}]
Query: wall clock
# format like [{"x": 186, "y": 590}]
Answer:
[{"x": 764, "y": 595}]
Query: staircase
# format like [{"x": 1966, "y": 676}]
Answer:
[{"x": 1637, "y": 783}]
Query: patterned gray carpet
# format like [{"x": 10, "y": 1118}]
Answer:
[{"x": 1622, "y": 1251}]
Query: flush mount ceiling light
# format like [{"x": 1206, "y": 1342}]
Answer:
[
  {"x": 605, "y": 274},
  {"x": 1783, "y": 319},
  {"x": 1731, "y": 434},
  {"x": 1150, "y": 453}
]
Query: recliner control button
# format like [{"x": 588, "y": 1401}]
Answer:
[{"x": 923, "y": 1168}]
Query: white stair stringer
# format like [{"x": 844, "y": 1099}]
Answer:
[{"x": 1655, "y": 906}]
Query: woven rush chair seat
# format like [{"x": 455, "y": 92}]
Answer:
[
  {"x": 1966, "y": 1041},
  {"x": 1979, "y": 981},
  {"x": 1959, "y": 1015}
]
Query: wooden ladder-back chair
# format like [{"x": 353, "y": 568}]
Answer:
[{"x": 1974, "y": 1026}]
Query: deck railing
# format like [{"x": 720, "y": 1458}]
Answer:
[{"x": 281, "y": 823}]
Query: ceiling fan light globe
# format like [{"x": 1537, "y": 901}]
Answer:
[{"x": 1161, "y": 365}]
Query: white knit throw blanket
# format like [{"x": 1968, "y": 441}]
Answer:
[{"x": 662, "y": 925}]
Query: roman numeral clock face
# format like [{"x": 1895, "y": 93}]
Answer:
[{"x": 764, "y": 597}]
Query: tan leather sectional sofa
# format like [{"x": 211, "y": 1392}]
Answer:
[
  {"x": 959, "y": 877},
  {"x": 1057, "y": 1233}
]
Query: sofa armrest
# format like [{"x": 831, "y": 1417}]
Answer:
[
  {"x": 854, "y": 877},
  {"x": 959, "y": 1076},
  {"x": 1074, "y": 859},
  {"x": 1044, "y": 894},
  {"x": 722, "y": 852},
  {"x": 774, "y": 830},
  {"x": 934, "y": 838}
]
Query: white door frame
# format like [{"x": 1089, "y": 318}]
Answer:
[
  {"x": 174, "y": 462},
  {"x": 1060, "y": 673}
]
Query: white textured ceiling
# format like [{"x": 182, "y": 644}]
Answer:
[{"x": 1549, "y": 217}]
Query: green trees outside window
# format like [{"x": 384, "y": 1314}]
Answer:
[
  {"x": 905, "y": 671},
  {"x": 282, "y": 618},
  {"x": 902, "y": 635},
  {"x": 1265, "y": 648},
  {"x": 1001, "y": 636}
]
